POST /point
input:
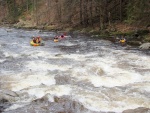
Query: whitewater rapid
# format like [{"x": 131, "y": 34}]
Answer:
[{"x": 98, "y": 74}]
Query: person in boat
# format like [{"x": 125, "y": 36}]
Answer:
[
  {"x": 62, "y": 36},
  {"x": 122, "y": 40},
  {"x": 38, "y": 39},
  {"x": 56, "y": 38},
  {"x": 34, "y": 39}
]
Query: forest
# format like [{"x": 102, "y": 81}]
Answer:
[{"x": 102, "y": 16}]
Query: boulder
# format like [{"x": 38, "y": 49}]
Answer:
[
  {"x": 134, "y": 43},
  {"x": 137, "y": 110},
  {"x": 145, "y": 46}
]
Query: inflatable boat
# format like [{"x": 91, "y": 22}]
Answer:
[
  {"x": 55, "y": 40},
  {"x": 36, "y": 44}
]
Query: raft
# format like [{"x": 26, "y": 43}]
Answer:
[
  {"x": 122, "y": 41},
  {"x": 36, "y": 44},
  {"x": 55, "y": 40}
]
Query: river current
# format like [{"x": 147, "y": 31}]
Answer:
[{"x": 98, "y": 74}]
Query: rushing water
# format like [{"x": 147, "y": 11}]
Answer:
[{"x": 98, "y": 74}]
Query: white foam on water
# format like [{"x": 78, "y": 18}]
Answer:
[
  {"x": 60, "y": 90},
  {"x": 2, "y": 60},
  {"x": 119, "y": 80},
  {"x": 15, "y": 106},
  {"x": 68, "y": 43},
  {"x": 50, "y": 98},
  {"x": 136, "y": 59},
  {"x": 38, "y": 53},
  {"x": 57, "y": 90},
  {"x": 101, "y": 74},
  {"x": 76, "y": 57},
  {"x": 79, "y": 57},
  {"x": 44, "y": 66},
  {"x": 142, "y": 86},
  {"x": 31, "y": 80},
  {"x": 114, "y": 101},
  {"x": 10, "y": 54}
]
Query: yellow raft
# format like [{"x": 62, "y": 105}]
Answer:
[
  {"x": 36, "y": 44},
  {"x": 55, "y": 40},
  {"x": 122, "y": 41}
]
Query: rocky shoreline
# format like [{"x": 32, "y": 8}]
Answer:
[{"x": 62, "y": 104}]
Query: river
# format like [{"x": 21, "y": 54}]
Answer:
[{"x": 90, "y": 75}]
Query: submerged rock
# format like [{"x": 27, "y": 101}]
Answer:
[
  {"x": 6, "y": 97},
  {"x": 4, "y": 102},
  {"x": 137, "y": 110},
  {"x": 9, "y": 93},
  {"x": 134, "y": 43},
  {"x": 62, "y": 104},
  {"x": 145, "y": 46}
]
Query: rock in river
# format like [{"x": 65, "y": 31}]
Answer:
[{"x": 145, "y": 46}]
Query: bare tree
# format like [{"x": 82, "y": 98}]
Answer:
[
  {"x": 48, "y": 10},
  {"x": 120, "y": 10},
  {"x": 91, "y": 12},
  {"x": 85, "y": 13},
  {"x": 101, "y": 16},
  {"x": 58, "y": 6},
  {"x": 81, "y": 12},
  {"x": 34, "y": 2},
  {"x": 27, "y": 5}
]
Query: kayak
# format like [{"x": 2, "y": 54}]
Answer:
[{"x": 36, "y": 44}]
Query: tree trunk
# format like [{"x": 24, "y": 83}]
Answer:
[
  {"x": 14, "y": 11},
  {"x": 60, "y": 12},
  {"x": 91, "y": 13},
  {"x": 27, "y": 5},
  {"x": 101, "y": 15},
  {"x": 81, "y": 12},
  {"x": 48, "y": 5},
  {"x": 35, "y": 11},
  {"x": 85, "y": 13},
  {"x": 109, "y": 18},
  {"x": 120, "y": 10}
]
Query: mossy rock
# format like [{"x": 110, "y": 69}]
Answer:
[{"x": 134, "y": 43}]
